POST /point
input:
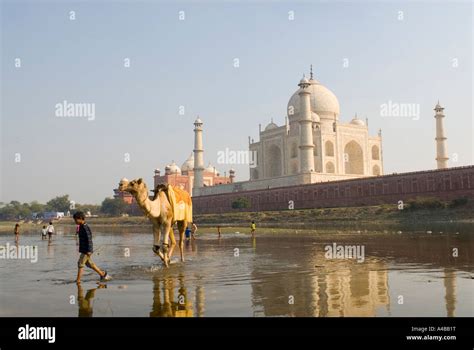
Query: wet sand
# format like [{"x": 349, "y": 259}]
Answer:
[{"x": 407, "y": 274}]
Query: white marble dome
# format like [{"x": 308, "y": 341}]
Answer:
[
  {"x": 173, "y": 168},
  {"x": 270, "y": 126},
  {"x": 315, "y": 117},
  {"x": 323, "y": 101},
  {"x": 211, "y": 169},
  {"x": 188, "y": 165},
  {"x": 357, "y": 121}
]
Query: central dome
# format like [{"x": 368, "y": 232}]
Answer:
[{"x": 323, "y": 102}]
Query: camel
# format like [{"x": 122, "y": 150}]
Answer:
[{"x": 169, "y": 205}]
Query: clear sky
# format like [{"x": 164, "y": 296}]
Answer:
[{"x": 419, "y": 58}]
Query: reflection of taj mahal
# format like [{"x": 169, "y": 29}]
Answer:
[{"x": 314, "y": 140}]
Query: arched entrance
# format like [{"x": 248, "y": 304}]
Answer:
[
  {"x": 353, "y": 159},
  {"x": 376, "y": 170},
  {"x": 330, "y": 167},
  {"x": 274, "y": 161}
]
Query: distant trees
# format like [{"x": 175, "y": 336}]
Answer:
[
  {"x": 240, "y": 203},
  {"x": 60, "y": 203},
  {"x": 15, "y": 210},
  {"x": 434, "y": 203},
  {"x": 113, "y": 206},
  {"x": 18, "y": 211}
]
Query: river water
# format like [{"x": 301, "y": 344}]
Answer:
[{"x": 273, "y": 274}]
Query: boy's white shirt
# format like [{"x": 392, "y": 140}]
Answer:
[
  {"x": 44, "y": 231},
  {"x": 50, "y": 228}
]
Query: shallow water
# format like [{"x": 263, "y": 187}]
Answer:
[{"x": 403, "y": 274}]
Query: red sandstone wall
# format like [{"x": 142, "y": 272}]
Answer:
[{"x": 445, "y": 184}]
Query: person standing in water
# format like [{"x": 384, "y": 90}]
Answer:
[
  {"x": 218, "y": 232},
  {"x": 17, "y": 232},
  {"x": 86, "y": 249},
  {"x": 50, "y": 230},
  {"x": 253, "y": 227},
  {"x": 44, "y": 232}
]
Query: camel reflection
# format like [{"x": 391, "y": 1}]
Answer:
[
  {"x": 170, "y": 297},
  {"x": 85, "y": 303}
]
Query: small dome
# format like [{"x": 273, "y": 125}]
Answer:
[
  {"x": 211, "y": 169},
  {"x": 304, "y": 81},
  {"x": 315, "y": 117},
  {"x": 357, "y": 121},
  {"x": 198, "y": 121},
  {"x": 188, "y": 164},
  {"x": 157, "y": 171},
  {"x": 173, "y": 168},
  {"x": 438, "y": 107},
  {"x": 270, "y": 126}
]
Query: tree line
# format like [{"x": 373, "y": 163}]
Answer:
[{"x": 17, "y": 211}]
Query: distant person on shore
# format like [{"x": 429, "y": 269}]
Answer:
[
  {"x": 253, "y": 228},
  {"x": 218, "y": 232},
  {"x": 194, "y": 229},
  {"x": 17, "y": 232},
  {"x": 50, "y": 230},
  {"x": 44, "y": 232},
  {"x": 86, "y": 249}
]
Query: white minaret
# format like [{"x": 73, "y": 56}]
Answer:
[
  {"x": 198, "y": 155},
  {"x": 441, "y": 147},
  {"x": 306, "y": 128}
]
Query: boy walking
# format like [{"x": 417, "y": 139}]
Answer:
[{"x": 86, "y": 249}]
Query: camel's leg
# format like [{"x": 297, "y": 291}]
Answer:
[
  {"x": 172, "y": 241},
  {"x": 181, "y": 228},
  {"x": 165, "y": 230},
  {"x": 156, "y": 240}
]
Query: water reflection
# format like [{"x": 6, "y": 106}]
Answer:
[
  {"x": 169, "y": 302},
  {"x": 320, "y": 287},
  {"x": 282, "y": 275},
  {"x": 85, "y": 303},
  {"x": 450, "y": 287}
]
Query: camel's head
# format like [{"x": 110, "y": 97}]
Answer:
[{"x": 133, "y": 187}]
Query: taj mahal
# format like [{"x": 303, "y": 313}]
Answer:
[
  {"x": 314, "y": 145},
  {"x": 315, "y": 157},
  {"x": 314, "y": 140}
]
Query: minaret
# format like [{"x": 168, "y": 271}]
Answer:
[
  {"x": 198, "y": 155},
  {"x": 441, "y": 147},
  {"x": 306, "y": 128},
  {"x": 231, "y": 175}
]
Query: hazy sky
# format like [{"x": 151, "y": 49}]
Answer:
[{"x": 419, "y": 58}]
